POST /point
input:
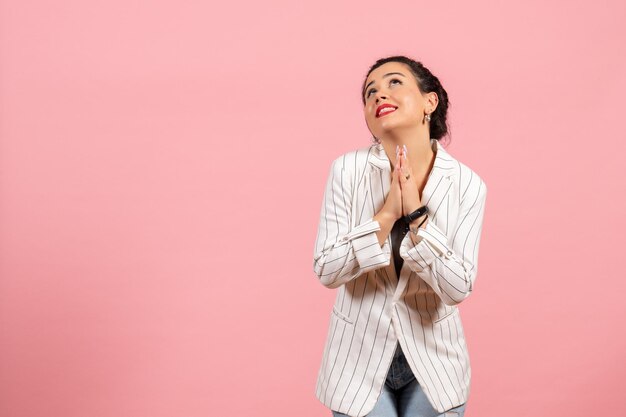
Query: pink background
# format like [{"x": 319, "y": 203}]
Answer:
[{"x": 162, "y": 166}]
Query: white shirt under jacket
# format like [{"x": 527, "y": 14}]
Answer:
[{"x": 374, "y": 310}]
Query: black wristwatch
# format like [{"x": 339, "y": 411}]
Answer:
[{"x": 416, "y": 214}]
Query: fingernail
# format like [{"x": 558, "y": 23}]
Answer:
[{"x": 405, "y": 150}]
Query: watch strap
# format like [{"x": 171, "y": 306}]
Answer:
[{"x": 416, "y": 214}]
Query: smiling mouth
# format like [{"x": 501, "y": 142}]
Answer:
[{"x": 385, "y": 112}]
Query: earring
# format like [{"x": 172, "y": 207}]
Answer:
[{"x": 428, "y": 117}]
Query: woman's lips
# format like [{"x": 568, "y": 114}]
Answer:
[{"x": 385, "y": 112}]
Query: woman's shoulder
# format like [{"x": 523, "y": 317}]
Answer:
[
  {"x": 469, "y": 174},
  {"x": 467, "y": 178},
  {"x": 469, "y": 181}
]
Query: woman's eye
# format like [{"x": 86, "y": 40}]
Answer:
[{"x": 373, "y": 89}]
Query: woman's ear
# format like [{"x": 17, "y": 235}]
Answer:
[{"x": 432, "y": 101}]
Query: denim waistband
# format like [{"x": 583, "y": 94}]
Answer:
[{"x": 400, "y": 372}]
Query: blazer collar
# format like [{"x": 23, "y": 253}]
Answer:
[{"x": 445, "y": 165}]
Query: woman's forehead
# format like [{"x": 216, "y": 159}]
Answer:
[{"x": 386, "y": 69}]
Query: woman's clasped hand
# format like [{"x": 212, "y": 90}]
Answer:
[{"x": 404, "y": 196}]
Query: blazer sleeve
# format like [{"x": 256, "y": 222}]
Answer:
[
  {"x": 450, "y": 266},
  {"x": 342, "y": 253}
]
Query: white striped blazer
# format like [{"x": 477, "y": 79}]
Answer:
[{"x": 374, "y": 309}]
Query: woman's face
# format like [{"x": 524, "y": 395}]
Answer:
[{"x": 393, "y": 83}]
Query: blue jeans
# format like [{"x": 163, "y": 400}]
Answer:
[{"x": 402, "y": 395}]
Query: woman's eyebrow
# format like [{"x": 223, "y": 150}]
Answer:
[{"x": 386, "y": 75}]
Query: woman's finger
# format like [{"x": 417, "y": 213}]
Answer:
[
  {"x": 404, "y": 168},
  {"x": 395, "y": 167},
  {"x": 398, "y": 165},
  {"x": 397, "y": 155},
  {"x": 405, "y": 156}
]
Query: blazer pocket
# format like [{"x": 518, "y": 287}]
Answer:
[
  {"x": 342, "y": 316},
  {"x": 446, "y": 316}
]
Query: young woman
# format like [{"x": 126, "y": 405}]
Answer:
[{"x": 398, "y": 236}]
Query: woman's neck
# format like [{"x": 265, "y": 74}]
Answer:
[{"x": 420, "y": 153}]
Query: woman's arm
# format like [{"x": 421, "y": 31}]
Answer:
[
  {"x": 342, "y": 254},
  {"x": 449, "y": 266},
  {"x": 386, "y": 222}
]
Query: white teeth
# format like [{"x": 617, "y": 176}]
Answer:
[{"x": 386, "y": 110}]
